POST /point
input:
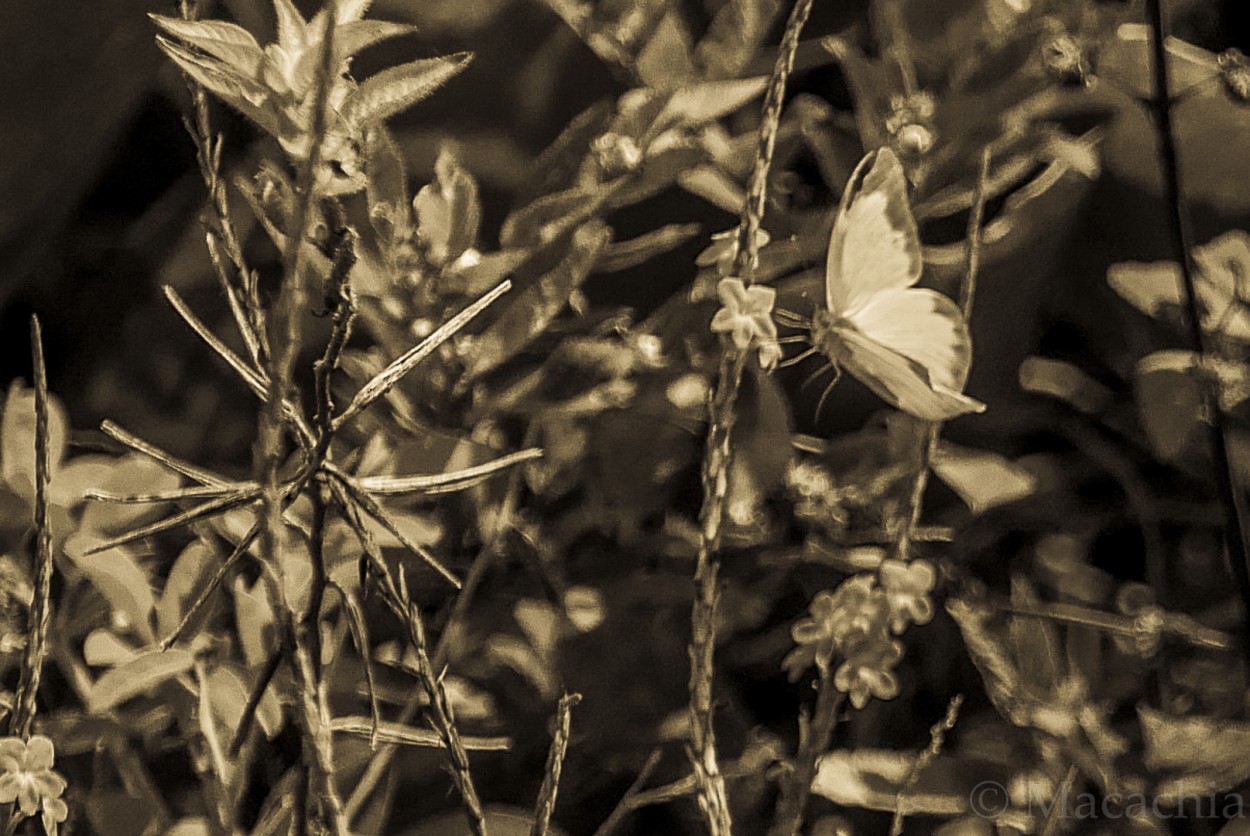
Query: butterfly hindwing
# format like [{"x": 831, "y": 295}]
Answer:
[
  {"x": 922, "y": 325},
  {"x": 901, "y": 382},
  {"x": 874, "y": 245}
]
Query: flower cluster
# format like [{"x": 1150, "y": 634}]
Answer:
[
  {"x": 26, "y": 777},
  {"x": 746, "y": 315},
  {"x": 854, "y": 623}
]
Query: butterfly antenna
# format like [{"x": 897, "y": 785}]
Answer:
[
  {"x": 797, "y": 338},
  {"x": 820, "y": 405},
  {"x": 794, "y": 361}
]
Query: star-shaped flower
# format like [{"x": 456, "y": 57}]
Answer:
[
  {"x": 907, "y": 587},
  {"x": 868, "y": 671},
  {"x": 26, "y": 777},
  {"x": 746, "y": 316}
]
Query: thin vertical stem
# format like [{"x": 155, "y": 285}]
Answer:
[
  {"x": 712, "y": 797},
  {"x": 815, "y": 732},
  {"x": 1230, "y": 495},
  {"x": 310, "y": 698},
  {"x": 555, "y": 763},
  {"x": 930, "y": 430},
  {"x": 40, "y": 608}
]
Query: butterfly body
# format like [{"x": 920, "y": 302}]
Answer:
[{"x": 909, "y": 345}]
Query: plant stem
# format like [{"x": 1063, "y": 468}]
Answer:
[
  {"x": 815, "y": 732},
  {"x": 312, "y": 709},
  {"x": 712, "y": 796},
  {"x": 1230, "y": 495},
  {"x": 930, "y": 430},
  {"x": 40, "y": 607},
  {"x": 555, "y": 762}
]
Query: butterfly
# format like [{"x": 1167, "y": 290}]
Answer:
[{"x": 909, "y": 345}]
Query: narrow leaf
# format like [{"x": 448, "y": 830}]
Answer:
[
  {"x": 292, "y": 27},
  {"x": 231, "y": 44},
  {"x": 446, "y": 482},
  {"x": 403, "y": 735},
  {"x": 199, "y": 492},
  {"x": 375, "y": 510},
  {"x": 359, "y": 628},
  {"x": 386, "y": 379},
  {"x": 698, "y": 104},
  {"x": 208, "y": 509},
  {"x": 138, "y": 676},
  {"x": 530, "y": 312},
  {"x": 734, "y": 36},
  {"x": 391, "y": 91},
  {"x": 204, "y": 477},
  {"x": 254, "y": 380},
  {"x": 357, "y": 36},
  {"x": 241, "y": 93},
  {"x": 622, "y": 255}
]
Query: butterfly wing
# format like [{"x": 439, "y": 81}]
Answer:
[
  {"x": 911, "y": 348},
  {"x": 874, "y": 246}
]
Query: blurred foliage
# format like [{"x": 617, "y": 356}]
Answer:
[{"x": 1069, "y": 581}]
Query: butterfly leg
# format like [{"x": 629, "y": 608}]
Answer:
[
  {"x": 792, "y": 320},
  {"x": 794, "y": 361},
  {"x": 811, "y": 378}
]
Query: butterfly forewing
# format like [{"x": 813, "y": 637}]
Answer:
[{"x": 874, "y": 245}]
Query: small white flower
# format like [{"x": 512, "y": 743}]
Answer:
[{"x": 746, "y": 315}]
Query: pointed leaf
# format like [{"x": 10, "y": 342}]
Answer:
[
  {"x": 243, "y": 94},
  {"x": 668, "y": 56},
  {"x": 136, "y": 677},
  {"x": 292, "y": 28},
  {"x": 734, "y": 36},
  {"x": 981, "y": 478},
  {"x": 1002, "y": 680},
  {"x": 351, "y": 10},
  {"x": 387, "y": 187},
  {"x": 386, "y": 379},
  {"x": 625, "y": 254},
  {"x": 446, "y": 482},
  {"x": 396, "y": 89},
  {"x": 357, "y": 36},
  {"x": 232, "y": 45},
  {"x": 698, "y": 104}
]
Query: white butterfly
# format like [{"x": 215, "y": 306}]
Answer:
[{"x": 908, "y": 345}]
